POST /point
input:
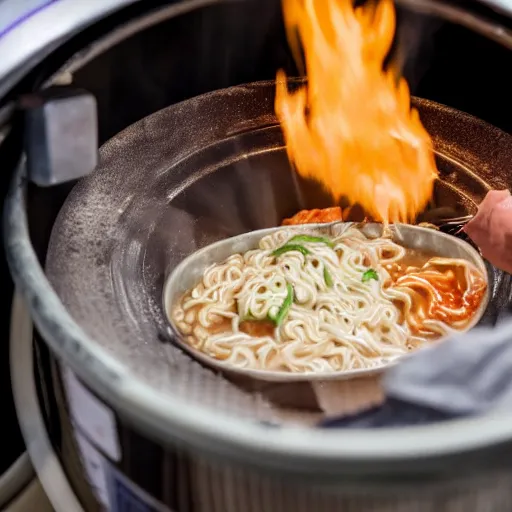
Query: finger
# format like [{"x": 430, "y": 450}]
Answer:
[{"x": 493, "y": 198}]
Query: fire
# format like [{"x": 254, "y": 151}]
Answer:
[{"x": 351, "y": 127}]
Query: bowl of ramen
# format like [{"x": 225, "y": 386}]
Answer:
[{"x": 323, "y": 301}]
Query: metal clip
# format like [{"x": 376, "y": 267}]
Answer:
[{"x": 61, "y": 135}]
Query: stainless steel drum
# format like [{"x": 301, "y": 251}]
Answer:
[{"x": 139, "y": 423}]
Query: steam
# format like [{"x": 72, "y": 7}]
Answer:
[{"x": 413, "y": 46}]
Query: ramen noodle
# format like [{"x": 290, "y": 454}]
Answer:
[{"x": 309, "y": 303}]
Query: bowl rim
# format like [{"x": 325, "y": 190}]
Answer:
[{"x": 288, "y": 377}]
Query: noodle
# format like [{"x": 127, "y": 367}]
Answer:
[{"x": 307, "y": 303}]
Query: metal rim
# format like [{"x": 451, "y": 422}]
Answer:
[
  {"x": 46, "y": 463},
  {"x": 463, "y": 17},
  {"x": 36, "y": 35},
  {"x": 129, "y": 29}
]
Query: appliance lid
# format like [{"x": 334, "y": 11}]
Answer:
[
  {"x": 29, "y": 30},
  {"x": 505, "y": 6}
]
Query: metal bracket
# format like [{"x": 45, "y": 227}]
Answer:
[{"x": 61, "y": 135}]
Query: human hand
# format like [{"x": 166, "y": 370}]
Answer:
[{"x": 491, "y": 229}]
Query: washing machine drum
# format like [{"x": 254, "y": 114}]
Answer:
[{"x": 137, "y": 423}]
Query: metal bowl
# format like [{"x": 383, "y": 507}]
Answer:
[{"x": 189, "y": 272}]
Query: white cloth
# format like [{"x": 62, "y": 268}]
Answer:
[{"x": 468, "y": 374}]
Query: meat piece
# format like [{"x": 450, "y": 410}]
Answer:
[
  {"x": 491, "y": 229},
  {"x": 320, "y": 216}
]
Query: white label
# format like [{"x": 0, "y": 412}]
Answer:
[
  {"x": 92, "y": 417},
  {"x": 94, "y": 466}
]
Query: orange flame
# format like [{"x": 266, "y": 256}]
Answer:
[{"x": 351, "y": 126}]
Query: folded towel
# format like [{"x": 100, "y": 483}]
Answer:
[{"x": 467, "y": 375}]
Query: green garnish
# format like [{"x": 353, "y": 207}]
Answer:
[
  {"x": 370, "y": 274},
  {"x": 285, "y": 308},
  {"x": 328, "y": 278},
  {"x": 311, "y": 239},
  {"x": 291, "y": 247}
]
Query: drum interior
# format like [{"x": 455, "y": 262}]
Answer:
[{"x": 205, "y": 169}]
